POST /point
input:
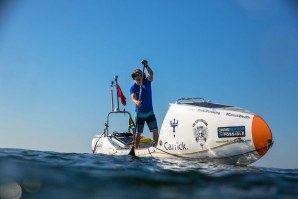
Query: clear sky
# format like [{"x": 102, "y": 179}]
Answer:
[{"x": 57, "y": 59}]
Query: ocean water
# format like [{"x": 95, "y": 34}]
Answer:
[{"x": 52, "y": 175}]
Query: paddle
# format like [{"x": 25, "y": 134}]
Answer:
[{"x": 132, "y": 150}]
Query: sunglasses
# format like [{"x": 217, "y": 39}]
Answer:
[{"x": 137, "y": 75}]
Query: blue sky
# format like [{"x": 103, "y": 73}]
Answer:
[{"x": 57, "y": 59}]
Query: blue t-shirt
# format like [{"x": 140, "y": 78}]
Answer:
[{"x": 146, "y": 97}]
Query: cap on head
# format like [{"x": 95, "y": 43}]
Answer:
[{"x": 136, "y": 71}]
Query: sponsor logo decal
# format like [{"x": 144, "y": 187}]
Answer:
[
  {"x": 160, "y": 143},
  {"x": 240, "y": 140},
  {"x": 200, "y": 131},
  {"x": 208, "y": 111},
  {"x": 231, "y": 131},
  {"x": 99, "y": 145},
  {"x": 174, "y": 124},
  {"x": 178, "y": 146},
  {"x": 238, "y": 115}
]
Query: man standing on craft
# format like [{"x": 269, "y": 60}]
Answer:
[{"x": 144, "y": 108}]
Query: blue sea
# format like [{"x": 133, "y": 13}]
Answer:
[{"x": 32, "y": 174}]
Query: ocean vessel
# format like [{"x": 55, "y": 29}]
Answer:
[{"x": 196, "y": 128}]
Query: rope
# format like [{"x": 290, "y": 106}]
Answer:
[
  {"x": 176, "y": 155},
  {"x": 94, "y": 149}
]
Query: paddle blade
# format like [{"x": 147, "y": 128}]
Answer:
[{"x": 132, "y": 151}]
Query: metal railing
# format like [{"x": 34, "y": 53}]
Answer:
[{"x": 184, "y": 100}]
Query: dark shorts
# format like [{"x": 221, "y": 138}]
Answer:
[{"x": 149, "y": 118}]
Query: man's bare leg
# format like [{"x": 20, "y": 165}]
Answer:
[
  {"x": 137, "y": 140},
  {"x": 155, "y": 136}
]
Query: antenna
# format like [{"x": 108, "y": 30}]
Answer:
[
  {"x": 116, "y": 81},
  {"x": 112, "y": 96}
]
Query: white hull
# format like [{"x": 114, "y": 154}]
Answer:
[{"x": 204, "y": 131}]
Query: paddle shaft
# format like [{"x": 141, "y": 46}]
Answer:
[{"x": 132, "y": 151}]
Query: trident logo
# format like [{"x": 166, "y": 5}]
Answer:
[{"x": 174, "y": 124}]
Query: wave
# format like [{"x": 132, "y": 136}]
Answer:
[{"x": 40, "y": 174}]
